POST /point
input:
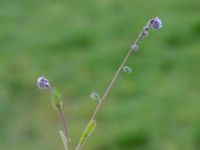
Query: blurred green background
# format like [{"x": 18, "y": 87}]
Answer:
[{"x": 78, "y": 45}]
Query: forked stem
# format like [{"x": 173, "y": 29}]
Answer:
[{"x": 43, "y": 83}]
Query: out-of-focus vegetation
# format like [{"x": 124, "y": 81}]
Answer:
[{"x": 78, "y": 45}]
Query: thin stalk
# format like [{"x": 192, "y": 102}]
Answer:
[
  {"x": 110, "y": 85},
  {"x": 66, "y": 130},
  {"x": 108, "y": 89},
  {"x": 115, "y": 77}
]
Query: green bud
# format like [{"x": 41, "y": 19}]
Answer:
[
  {"x": 95, "y": 96},
  {"x": 127, "y": 69}
]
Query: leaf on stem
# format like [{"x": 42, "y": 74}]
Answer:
[
  {"x": 56, "y": 99},
  {"x": 64, "y": 139},
  {"x": 87, "y": 132}
]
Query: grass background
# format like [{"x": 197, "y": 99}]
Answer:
[{"x": 78, "y": 45}]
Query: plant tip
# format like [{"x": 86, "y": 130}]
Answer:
[
  {"x": 155, "y": 23},
  {"x": 43, "y": 83}
]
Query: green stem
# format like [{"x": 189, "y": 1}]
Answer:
[
  {"x": 66, "y": 130},
  {"x": 108, "y": 89}
]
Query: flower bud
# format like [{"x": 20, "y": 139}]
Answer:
[
  {"x": 145, "y": 31},
  {"x": 134, "y": 47},
  {"x": 43, "y": 83},
  {"x": 127, "y": 69},
  {"x": 95, "y": 96},
  {"x": 155, "y": 23}
]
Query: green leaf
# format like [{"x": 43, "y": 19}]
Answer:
[
  {"x": 56, "y": 99},
  {"x": 87, "y": 132}
]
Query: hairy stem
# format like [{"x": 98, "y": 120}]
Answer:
[
  {"x": 110, "y": 85},
  {"x": 66, "y": 130},
  {"x": 108, "y": 89}
]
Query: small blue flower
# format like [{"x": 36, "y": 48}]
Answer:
[
  {"x": 43, "y": 83},
  {"x": 155, "y": 23}
]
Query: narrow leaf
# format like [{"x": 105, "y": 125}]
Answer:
[
  {"x": 88, "y": 131},
  {"x": 64, "y": 139},
  {"x": 56, "y": 99}
]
